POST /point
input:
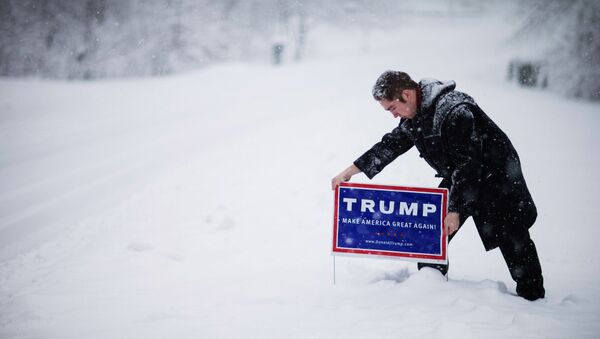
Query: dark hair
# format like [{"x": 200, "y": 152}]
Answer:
[{"x": 390, "y": 84}]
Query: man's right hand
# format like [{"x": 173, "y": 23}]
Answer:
[{"x": 344, "y": 176}]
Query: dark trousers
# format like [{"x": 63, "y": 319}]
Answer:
[{"x": 522, "y": 260}]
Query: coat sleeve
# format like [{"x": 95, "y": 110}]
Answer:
[
  {"x": 391, "y": 146},
  {"x": 465, "y": 152}
]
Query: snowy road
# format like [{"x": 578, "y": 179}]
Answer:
[{"x": 199, "y": 205}]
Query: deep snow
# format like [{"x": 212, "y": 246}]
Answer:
[{"x": 199, "y": 206}]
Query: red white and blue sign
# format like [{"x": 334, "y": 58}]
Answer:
[{"x": 390, "y": 221}]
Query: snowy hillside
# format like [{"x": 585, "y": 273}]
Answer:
[{"x": 199, "y": 206}]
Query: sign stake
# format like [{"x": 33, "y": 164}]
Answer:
[{"x": 333, "y": 269}]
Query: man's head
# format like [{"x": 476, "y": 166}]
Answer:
[{"x": 397, "y": 93}]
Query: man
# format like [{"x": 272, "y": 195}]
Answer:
[{"x": 476, "y": 161}]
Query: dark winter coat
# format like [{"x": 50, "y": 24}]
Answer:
[{"x": 476, "y": 160}]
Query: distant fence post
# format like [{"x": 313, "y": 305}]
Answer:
[{"x": 277, "y": 53}]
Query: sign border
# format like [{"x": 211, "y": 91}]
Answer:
[{"x": 425, "y": 258}]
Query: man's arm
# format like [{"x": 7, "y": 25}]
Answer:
[
  {"x": 380, "y": 155},
  {"x": 391, "y": 146},
  {"x": 464, "y": 146}
]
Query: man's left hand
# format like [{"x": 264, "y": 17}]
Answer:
[{"x": 452, "y": 222}]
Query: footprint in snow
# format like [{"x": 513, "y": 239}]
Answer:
[
  {"x": 137, "y": 246},
  {"x": 397, "y": 276},
  {"x": 226, "y": 224}
]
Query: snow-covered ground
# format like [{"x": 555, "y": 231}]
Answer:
[{"x": 199, "y": 205}]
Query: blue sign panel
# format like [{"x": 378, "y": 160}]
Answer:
[{"x": 390, "y": 221}]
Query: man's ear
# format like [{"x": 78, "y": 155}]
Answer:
[{"x": 404, "y": 95}]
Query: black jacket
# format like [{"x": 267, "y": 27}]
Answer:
[{"x": 476, "y": 160}]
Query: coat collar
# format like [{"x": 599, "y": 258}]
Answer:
[{"x": 432, "y": 90}]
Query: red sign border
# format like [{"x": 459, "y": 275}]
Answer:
[{"x": 442, "y": 258}]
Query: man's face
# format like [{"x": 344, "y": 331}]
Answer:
[{"x": 406, "y": 109}]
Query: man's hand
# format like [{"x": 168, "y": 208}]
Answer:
[
  {"x": 344, "y": 176},
  {"x": 452, "y": 222}
]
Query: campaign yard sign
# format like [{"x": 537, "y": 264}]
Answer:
[{"x": 390, "y": 221}]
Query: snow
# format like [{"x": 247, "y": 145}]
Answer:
[{"x": 199, "y": 205}]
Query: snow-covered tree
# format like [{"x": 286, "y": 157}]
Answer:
[{"x": 566, "y": 35}]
